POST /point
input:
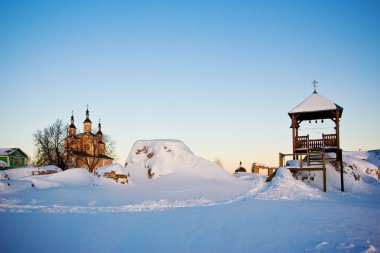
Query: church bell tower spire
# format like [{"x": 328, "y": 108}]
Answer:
[
  {"x": 87, "y": 124},
  {"x": 72, "y": 128}
]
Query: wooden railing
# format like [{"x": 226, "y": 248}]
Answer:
[
  {"x": 327, "y": 141},
  {"x": 302, "y": 142},
  {"x": 315, "y": 143},
  {"x": 281, "y": 159}
]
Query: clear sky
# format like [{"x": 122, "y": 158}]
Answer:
[{"x": 219, "y": 75}]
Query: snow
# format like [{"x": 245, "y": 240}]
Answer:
[
  {"x": 285, "y": 187},
  {"x": 19, "y": 173},
  {"x": 371, "y": 156},
  {"x": 3, "y": 164},
  {"x": 112, "y": 167},
  {"x": 188, "y": 205},
  {"x": 6, "y": 151},
  {"x": 359, "y": 175},
  {"x": 315, "y": 102},
  {"x": 178, "y": 173}
]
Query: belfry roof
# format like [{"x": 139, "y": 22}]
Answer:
[{"x": 316, "y": 106}]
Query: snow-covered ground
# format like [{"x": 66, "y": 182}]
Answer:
[{"x": 178, "y": 202}]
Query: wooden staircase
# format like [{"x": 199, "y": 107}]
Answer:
[
  {"x": 313, "y": 159},
  {"x": 316, "y": 158}
]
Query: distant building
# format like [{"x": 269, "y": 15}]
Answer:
[
  {"x": 13, "y": 157},
  {"x": 240, "y": 169},
  {"x": 262, "y": 169},
  {"x": 86, "y": 149}
]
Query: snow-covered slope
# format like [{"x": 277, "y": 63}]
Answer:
[
  {"x": 359, "y": 175},
  {"x": 29, "y": 171},
  {"x": 372, "y": 157},
  {"x": 284, "y": 187}
]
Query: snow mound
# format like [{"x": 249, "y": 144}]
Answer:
[
  {"x": 114, "y": 172},
  {"x": 67, "y": 178},
  {"x": 359, "y": 176},
  {"x": 368, "y": 162},
  {"x": 3, "y": 164},
  {"x": 18, "y": 173},
  {"x": 284, "y": 187},
  {"x": 118, "y": 168},
  {"x": 164, "y": 157},
  {"x": 171, "y": 170},
  {"x": 47, "y": 168},
  {"x": 73, "y": 177},
  {"x": 3, "y": 175}
]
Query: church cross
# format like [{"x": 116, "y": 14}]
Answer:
[{"x": 315, "y": 86}]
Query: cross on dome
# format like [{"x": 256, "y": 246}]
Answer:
[{"x": 315, "y": 86}]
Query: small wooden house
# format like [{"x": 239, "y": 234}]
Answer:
[{"x": 13, "y": 157}]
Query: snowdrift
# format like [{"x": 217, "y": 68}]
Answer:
[
  {"x": 359, "y": 174},
  {"x": 284, "y": 187},
  {"x": 29, "y": 171},
  {"x": 165, "y": 157},
  {"x": 365, "y": 161},
  {"x": 169, "y": 167}
]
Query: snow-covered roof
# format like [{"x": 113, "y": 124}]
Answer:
[
  {"x": 7, "y": 151},
  {"x": 316, "y": 103}
]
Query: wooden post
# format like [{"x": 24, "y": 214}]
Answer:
[
  {"x": 294, "y": 135},
  {"x": 324, "y": 171},
  {"x": 337, "y": 132},
  {"x": 340, "y": 157},
  {"x": 281, "y": 160}
]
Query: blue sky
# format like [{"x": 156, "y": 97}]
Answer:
[{"x": 219, "y": 75}]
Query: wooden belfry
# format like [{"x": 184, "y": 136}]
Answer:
[{"x": 316, "y": 107}]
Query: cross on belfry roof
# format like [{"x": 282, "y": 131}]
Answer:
[{"x": 315, "y": 86}]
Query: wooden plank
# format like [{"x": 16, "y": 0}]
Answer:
[
  {"x": 293, "y": 135},
  {"x": 337, "y": 123},
  {"x": 305, "y": 169},
  {"x": 340, "y": 157},
  {"x": 324, "y": 172}
]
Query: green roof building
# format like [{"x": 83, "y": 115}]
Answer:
[{"x": 13, "y": 157}]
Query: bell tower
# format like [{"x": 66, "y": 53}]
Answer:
[
  {"x": 87, "y": 124},
  {"x": 99, "y": 133},
  {"x": 72, "y": 128}
]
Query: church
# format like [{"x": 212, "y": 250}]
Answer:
[{"x": 87, "y": 149}]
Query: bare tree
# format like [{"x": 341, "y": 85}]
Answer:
[
  {"x": 218, "y": 161},
  {"x": 50, "y": 144}
]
